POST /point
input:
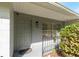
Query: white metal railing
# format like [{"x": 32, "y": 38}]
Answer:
[{"x": 48, "y": 43}]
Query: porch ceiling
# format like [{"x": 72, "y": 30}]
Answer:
[{"x": 45, "y": 9}]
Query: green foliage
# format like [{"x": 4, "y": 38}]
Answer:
[{"x": 70, "y": 40}]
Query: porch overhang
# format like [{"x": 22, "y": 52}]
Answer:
[{"x": 45, "y": 9}]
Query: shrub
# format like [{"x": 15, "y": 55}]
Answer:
[{"x": 69, "y": 44}]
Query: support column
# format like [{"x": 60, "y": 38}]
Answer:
[{"x": 6, "y": 48}]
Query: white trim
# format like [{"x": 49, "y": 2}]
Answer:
[{"x": 63, "y": 7}]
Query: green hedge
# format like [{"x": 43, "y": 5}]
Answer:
[{"x": 69, "y": 44}]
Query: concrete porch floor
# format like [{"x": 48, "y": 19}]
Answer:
[{"x": 36, "y": 51}]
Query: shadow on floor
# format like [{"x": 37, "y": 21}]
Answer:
[{"x": 20, "y": 53}]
